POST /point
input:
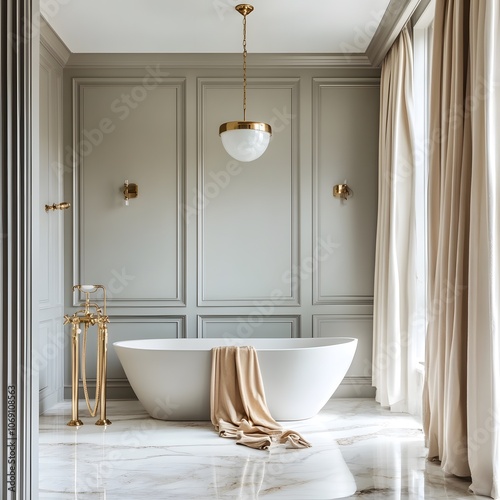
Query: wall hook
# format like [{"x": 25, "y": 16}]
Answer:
[{"x": 57, "y": 206}]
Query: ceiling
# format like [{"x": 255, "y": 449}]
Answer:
[{"x": 214, "y": 26}]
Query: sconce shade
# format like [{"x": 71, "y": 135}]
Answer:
[{"x": 245, "y": 141}]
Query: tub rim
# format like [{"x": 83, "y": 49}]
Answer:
[{"x": 135, "y": 344}]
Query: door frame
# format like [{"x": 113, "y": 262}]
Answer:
[{"x": 19, "y": 54}]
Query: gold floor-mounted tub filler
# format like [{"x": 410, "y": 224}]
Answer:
[{"x": 90, "y": 315}]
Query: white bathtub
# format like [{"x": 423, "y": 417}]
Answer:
[{"x": 171, "y": 377}]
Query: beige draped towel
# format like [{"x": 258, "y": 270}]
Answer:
[{"x": 237, "y": 401}]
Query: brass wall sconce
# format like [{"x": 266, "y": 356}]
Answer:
[
  {"x": 342, "y": 191},
  {"x": 130, "y": 191},
  {"x": 58, "y": 206},
  {"x": 90, "y": 315}
]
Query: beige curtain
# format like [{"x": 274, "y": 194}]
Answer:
[
  {"x": 483, "y": 401},
  {"x": 462, "y": 386},
  {"x": 445, "y": 397},
  {"x": 394, "y": 367}
]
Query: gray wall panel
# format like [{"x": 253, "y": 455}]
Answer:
[{"x": 259, "y": 249}]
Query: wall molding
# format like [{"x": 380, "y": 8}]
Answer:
[
  {"x": 397, "y": 14},
  {"x": 358, "y": 381},
  {"x": 355, "y": 387},
  {"x": 179, "y": 320},
  {"x": 350, "y": 387},
  {"x": 79, "y": 84},
  {"x": 119, "y": 388},
  {"x": 20, "y": 210},
  {"x": 318, "y": 85},
  {"x": 293, "y": 320},
  {"x": 218, "y": 61},
  {"x": 292, "y": 84},
  {"x": 318, "y": 319},
  {"x": 54, "y": 98},
  {"x": 115, "y": 389},
  {"x": 49, "y": 359},
  {"x": 51, "y": 41},
  {"x": 336, "y": 300},
  {"x": 424, "y": 13}
]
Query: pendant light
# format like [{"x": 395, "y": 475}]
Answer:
[{"x": 245, "y": 140}]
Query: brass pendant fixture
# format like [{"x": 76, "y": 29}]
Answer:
[{"x": 245, "y": 140}]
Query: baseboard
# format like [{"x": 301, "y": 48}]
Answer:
[
  {"x": 115, "y": 389},
  {"x": 351, "y": 387},
  {"x": 355, "y": 387},
  {"x": 48, "y": 401}
]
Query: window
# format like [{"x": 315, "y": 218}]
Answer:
[{"x": 422, "y": 50}]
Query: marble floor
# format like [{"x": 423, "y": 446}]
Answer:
[{"x": 358, "y": 450}]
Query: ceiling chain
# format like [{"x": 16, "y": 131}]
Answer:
[{"x": 244, "y": 67}]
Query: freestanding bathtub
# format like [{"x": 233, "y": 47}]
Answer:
[{"x": 171, "y": 377}]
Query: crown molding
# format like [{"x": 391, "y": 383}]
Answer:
[
  {"x": 424, "y": 13},
  {"x": 397, "y": 14},
  {"x": 140, "y": 60},
  {"x": 51, "y": 41}
]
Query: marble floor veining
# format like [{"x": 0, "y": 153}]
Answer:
[{"x": 359, "y": 450}]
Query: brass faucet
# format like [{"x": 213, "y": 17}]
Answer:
[{"x": 90, "y": 315}]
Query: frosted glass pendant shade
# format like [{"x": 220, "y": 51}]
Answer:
[{"x": 245, "y": 141}]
